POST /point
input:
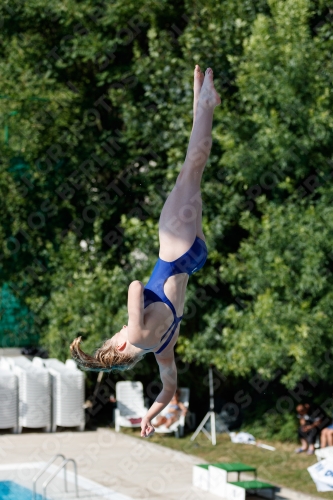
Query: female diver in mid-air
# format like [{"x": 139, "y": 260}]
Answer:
[{"x": 155, "y": 310}]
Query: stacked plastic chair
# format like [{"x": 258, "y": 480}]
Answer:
[
  {"x": 34, "y": 382},
  {"x": 67, "y": 393},
  {"x": 8, "y": 397}
]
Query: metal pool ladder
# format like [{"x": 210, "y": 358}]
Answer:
[{"x": 63, "y": 465}]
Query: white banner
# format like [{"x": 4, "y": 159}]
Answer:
[{"x": 322, "y": 474}]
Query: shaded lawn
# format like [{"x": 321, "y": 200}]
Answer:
[{"x": 281, "y": 467}]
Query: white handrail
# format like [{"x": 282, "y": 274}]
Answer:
[
  {"x": 44, "y": 469},
  {"x": 61, "y": 466}
]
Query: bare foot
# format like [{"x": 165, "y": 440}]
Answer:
[{"x": 208, "y": 97}]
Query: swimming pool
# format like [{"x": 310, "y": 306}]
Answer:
[
  {"x": 16, "y": 484},
  {"x": 13, "y": 491}
]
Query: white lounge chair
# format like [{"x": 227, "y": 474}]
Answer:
[
  {"x": 176, "y": 427},
  {"x": 34, "y": 394},
  {"x": 67, "y": 393},
  {"x": 130, "y": 405},
  {"x": 8, "y": 398}
]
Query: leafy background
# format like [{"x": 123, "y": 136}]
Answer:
[{"x": 95, "y": 109}]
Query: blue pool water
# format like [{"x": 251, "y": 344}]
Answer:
[{"x": 13, "y": 491}]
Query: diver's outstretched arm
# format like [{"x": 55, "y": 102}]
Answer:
[{"x": 168, "y": 374}]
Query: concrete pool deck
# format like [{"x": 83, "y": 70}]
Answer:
[{"x": 132, "y": 467}]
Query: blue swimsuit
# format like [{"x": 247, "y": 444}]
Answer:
[{"x": 189, "y": 263}]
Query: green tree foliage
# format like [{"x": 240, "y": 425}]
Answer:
[
  {"x": 95, "y": 107},
  {"x": 16, "y": 321}
]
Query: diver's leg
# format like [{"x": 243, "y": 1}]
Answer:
[{"x": 180, "y": 220}]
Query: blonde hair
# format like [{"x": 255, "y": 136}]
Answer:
[{"x": 106, "y": 358}]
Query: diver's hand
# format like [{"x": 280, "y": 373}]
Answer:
[{"x": 147, "y": 428}]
